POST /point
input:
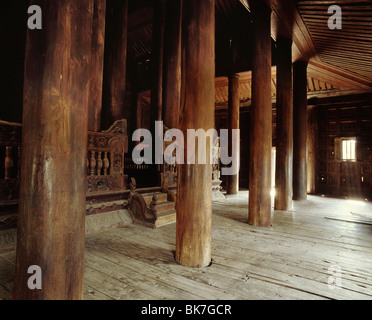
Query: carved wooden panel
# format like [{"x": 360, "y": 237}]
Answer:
[{"x": 105, "y": 163}]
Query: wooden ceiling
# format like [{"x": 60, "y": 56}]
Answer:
[
  {"x": 338, "y": 59},
  {"x": 341, "y": 57},
  {"x": 349, "y": 48},
  {"x": 314, "y": 87}
]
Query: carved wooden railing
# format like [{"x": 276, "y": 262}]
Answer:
[{"x": 105, "y": 163}]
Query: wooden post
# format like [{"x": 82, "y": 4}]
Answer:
[
  {"x": 233, "y": 123},
  {"x": 194, "y": 192},
  {"x": 157, "y": 61},
  {"x": 157, "y": 81},
  {"x": 312, "y": 142},
  {"x": 172, "y": 64},
  {"x": 53, "y": 183},
  {"x": 115, "y": 62},
  {"x": 261, "y": 119},
  {"x": 299, "y": 130},
  {"x": 284, "y": 127},
  {"x": 96, "y": 73}
]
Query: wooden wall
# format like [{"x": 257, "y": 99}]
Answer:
[
  {"x": 337, "y": 120},
  {"x": 348, "y": 116}
]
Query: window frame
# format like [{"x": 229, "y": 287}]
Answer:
[{"x": 347, "y": 158}]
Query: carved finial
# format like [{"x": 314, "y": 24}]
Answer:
[
  {"x": 119, "y": 127},
  {"x": 132, "y": 184}
]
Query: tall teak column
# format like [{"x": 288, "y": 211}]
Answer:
[
  {"x": 52, "y": 193},
  {"x": 284, "y": 126},
  {"x": 172, "y": 64},
  {"x": 233, "y": 123},
  {"x": 261, "y": 119},
  {"x": 300, "y": 130},
  {"x": 194, "y": 192},
  {"x": 96, "y": 74},
  {"x": 114, "y": 80}
]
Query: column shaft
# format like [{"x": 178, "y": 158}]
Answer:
[
  {"x": 172, "y": 64},
  {"x": 96, "y": 73},
  {"x": 300, "y": 130},
  {"x": 194, "y": 191},
  {"x": 114, "y": 81},
  {"x": 55, "y": 119},
  {"x": 233, "y": 123},
  {"x": 261, "y": 120},
  {"x": 284, "y": 126}
]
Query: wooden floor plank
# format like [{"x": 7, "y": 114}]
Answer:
[
  {"x": 289, "y": 260},
  {"x": 6, "y": 279}
]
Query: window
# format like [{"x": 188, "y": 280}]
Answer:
[{"x": 348, "y": 149}]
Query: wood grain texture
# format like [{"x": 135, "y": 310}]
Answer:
[
  {"x": 289, "y": 260},
  {"x": 284, "y": 126},
  {"x": 52, "y": 192},
  {"x": 233, "y": 123},
  {"x": 194, "y": 192},
  {"x": 172, "y": 64},
  {"x": 312, "y": 144},
  {"x": 261, "y": 120},
  {"x": 96, "y": 74},
  {"x": 115, "y": 63},
  {"x": 299, "y": 130}
]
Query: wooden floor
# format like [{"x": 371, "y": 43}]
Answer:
[{"x": 289, "y": 260}]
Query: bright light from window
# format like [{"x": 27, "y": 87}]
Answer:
[{"x": 349, "y": 149}]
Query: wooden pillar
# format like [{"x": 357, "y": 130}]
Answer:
[
  {"x": 299, "y": 130},
  {"x": 157, "y": 58},
  {"x": 284, "y": 126},
  {"x": 54, "y": 152},
  {"x": 194, "y": 192},
  {"x": 312, "y": 142},
  {"x": 115, "y": 62},
  {"x": 233, "y": 123},
  {"x": 172, "y": 64},
  {"x": 261, "y": 119},
  {"x": 96, "y": 73}
]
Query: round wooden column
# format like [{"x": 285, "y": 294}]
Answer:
[
  {"x": 114, "y": 81},
  {"x": 172, "y": 64},
  {"x": 300, "y": 130},
  {"x": 312, "y": 143},
  {"x": 194, "y": 192},
  {"x": 157, "y": 59},
  {"x": 233, "y": 123},
  {"x": 54, "y": 152},
  {"x": 261, "y": 119},
  {"x": 96, "y": 74},
  {"x": 284, "y": 126}
]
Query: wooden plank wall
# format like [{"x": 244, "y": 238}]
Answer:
[{"x": 334, "y": 176}]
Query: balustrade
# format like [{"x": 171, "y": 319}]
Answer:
[{"x": 105, "y": 162}]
